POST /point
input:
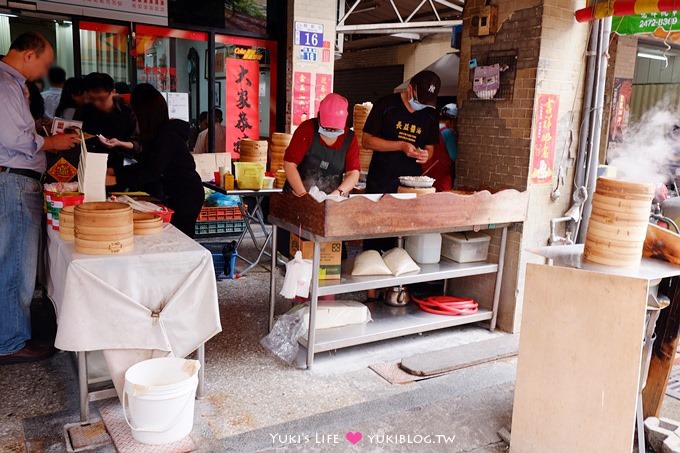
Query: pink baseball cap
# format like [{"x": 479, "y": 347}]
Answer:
[{"x": 333, "y": 111}]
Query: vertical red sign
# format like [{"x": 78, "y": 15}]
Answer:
[
  {"x": 324, "y": 85},
  {"x": 242, "y": 102},
  {"x": 302, "y": 97},
  {"x": 545, "y": 138}
]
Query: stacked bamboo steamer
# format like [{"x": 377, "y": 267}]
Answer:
[
  {"x": 360, "y": 116},
  {"x": 618, "y": 223},
  {"x": 280, "y": 179},
  {"x": 279, "y": 144},
  {"x": 146, "y": 224},
  {"x": 102, "y": 228},
  {"x": 254, "y": 151},
  {"x": 66, "y": 223}
]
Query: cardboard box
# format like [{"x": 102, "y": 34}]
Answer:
[{"x": 331, "y": 256}]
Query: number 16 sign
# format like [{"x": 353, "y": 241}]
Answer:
[{"x": 308, "y": 34}]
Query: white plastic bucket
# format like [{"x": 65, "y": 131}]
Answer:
[{"x": 158, "y": 399}]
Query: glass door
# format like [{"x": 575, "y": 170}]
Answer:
[{"x": 104, "y": 48}]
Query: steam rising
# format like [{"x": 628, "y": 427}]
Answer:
[{"x": 647, "y": 148}]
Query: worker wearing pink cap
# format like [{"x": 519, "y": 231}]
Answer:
[{"x": 323, "y": 152}]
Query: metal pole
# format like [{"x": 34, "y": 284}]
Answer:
[
  {"x": 272, "y": 280},
  {"x": 580, "y": 177},
  {"x": 200, "y": 391},
  {"x": 83, "y": 387},
  {"x": 313, "y": 303},
  {"x": 211, "y": 92},
  {"x": 499, "y": 280},
  {"x": 596, "y": 127}
]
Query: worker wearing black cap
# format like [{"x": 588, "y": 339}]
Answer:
[{"x": 402, "y": 130}]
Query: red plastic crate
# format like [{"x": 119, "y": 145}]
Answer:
[{"x": 214, "y": 214}]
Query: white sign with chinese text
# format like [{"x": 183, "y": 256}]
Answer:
[{"x": 150, "y": 11}]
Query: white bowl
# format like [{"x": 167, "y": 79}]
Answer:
[{"x": 422, "y": 182}]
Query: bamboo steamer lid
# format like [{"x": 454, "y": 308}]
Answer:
[
  {"x": 417, "y": 190},
  {"x": 146, "y": 224},
  {"x": 618, "y": 223},
  {"x": 102, "y": 214},
  {"x": 281, "y": 139}
]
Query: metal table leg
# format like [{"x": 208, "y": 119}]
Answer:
[
  {"x": 200, "y": 353},
  {"x": 258, "y": 218},
  {"x": 313, "y": 303},
  {"x": 499, "y": 280},
  {"x": 272, "y": 280},
  {"x": 83, "y": 387}
]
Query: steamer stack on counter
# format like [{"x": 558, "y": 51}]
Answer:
[
  {"x": 67, "y": 223},
  {"x": 280, "y": 142},
  {"x": 361, "y": 112},
  {"x": 103, "y": 228},
  {"x": 254, "y": 151},
  {"x": 146, "y": 224},
  {"x": 618, "y": 223}
]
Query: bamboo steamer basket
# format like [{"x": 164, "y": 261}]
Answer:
[
  {"x": 254, "y": 151},
  {"x": 147, "y": 224},
  {"x": 66, "y": 223},
  {"x": 280, "y": 179},
  {"x": 618, "y": 223},
  {"x": 281, "y": 139},
  {"x": 102, "y": 228}
]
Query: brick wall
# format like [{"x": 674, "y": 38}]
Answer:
[{"x": 495, "y": 148}]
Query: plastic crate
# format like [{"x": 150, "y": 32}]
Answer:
[
  {"x": 219, "y": 228},
  {"x": 213, "y": 214},
  {"x": 216, "y": 249}
]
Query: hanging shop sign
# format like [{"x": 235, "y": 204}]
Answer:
[
  {"x": 308, "y": 34},
  {"x": 259, "y": 54},
  {"x": 242, "y": 102},
  {"x": 621, "y": 99},
  {"x": 545, "y": 138},
  {"x": 302, "y": 97},
  {"x": 599, "y": 9},
  {"x": 646, "y": 23},
  {"x": 151, "y": 11}
]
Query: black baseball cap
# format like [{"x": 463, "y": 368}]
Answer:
[{"x": 427, "y": 85}]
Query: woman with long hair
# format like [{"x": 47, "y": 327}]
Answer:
[
  {"x": 165, "y": 167},
  {"x": 72, "y": 98}
]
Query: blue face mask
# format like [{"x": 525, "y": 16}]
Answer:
[
  {"x": 329, "y": 133},
  {"x": 417, "y": 106}
]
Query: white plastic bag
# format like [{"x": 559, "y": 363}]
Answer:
[
  {"x": 298, "y": 277},
  {"x": 400, "y": 262},
  {"x": 370, "y": 263}
]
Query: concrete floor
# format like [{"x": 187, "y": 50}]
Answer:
[{"x": 257, "y": 403}]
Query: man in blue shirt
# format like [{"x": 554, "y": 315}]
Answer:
[{"x": 22, "y": 164}]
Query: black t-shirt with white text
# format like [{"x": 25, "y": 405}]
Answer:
[{"x": 390, "y": 120}]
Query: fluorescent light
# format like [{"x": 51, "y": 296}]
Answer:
[
  {"x": 652, "y": 56},
  {"x": 8, "y": 15}
]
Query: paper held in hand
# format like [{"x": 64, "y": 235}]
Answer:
[{"x": 92, "y": 173}]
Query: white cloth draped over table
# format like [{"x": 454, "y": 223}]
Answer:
[{"x": 162, "y": 296}]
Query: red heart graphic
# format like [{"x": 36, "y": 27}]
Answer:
[{"x": 354, "y": 437}]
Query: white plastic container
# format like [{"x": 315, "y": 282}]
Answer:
[
  {"x": 466, "y": 247},
  {"x": 158, "y": 399},
  {"x": 424, "y": 248}
]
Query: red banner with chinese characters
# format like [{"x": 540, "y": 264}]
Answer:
[
  {"x": 324, "y": 85},
  {"x": 242, "y": 102},
  {"x": 302, "y": 97},
  {"x": 545, "y": 138}
]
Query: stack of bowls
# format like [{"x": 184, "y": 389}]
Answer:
[
  {"x": 102, "y": 228},
  {"x": 254, "y": 151},
  {"x": 280, "y": 142},
  {"x": 361, "y": 112}
]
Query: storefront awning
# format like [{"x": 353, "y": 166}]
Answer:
[{"x": 606, "y": 8}]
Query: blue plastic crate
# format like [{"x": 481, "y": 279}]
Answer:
[{"x": 217, "y": 257}]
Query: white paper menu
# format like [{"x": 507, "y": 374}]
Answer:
[{"x": 92, "y": 173}]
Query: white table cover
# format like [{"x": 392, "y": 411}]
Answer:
[{"x": 161, "y": 296}]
